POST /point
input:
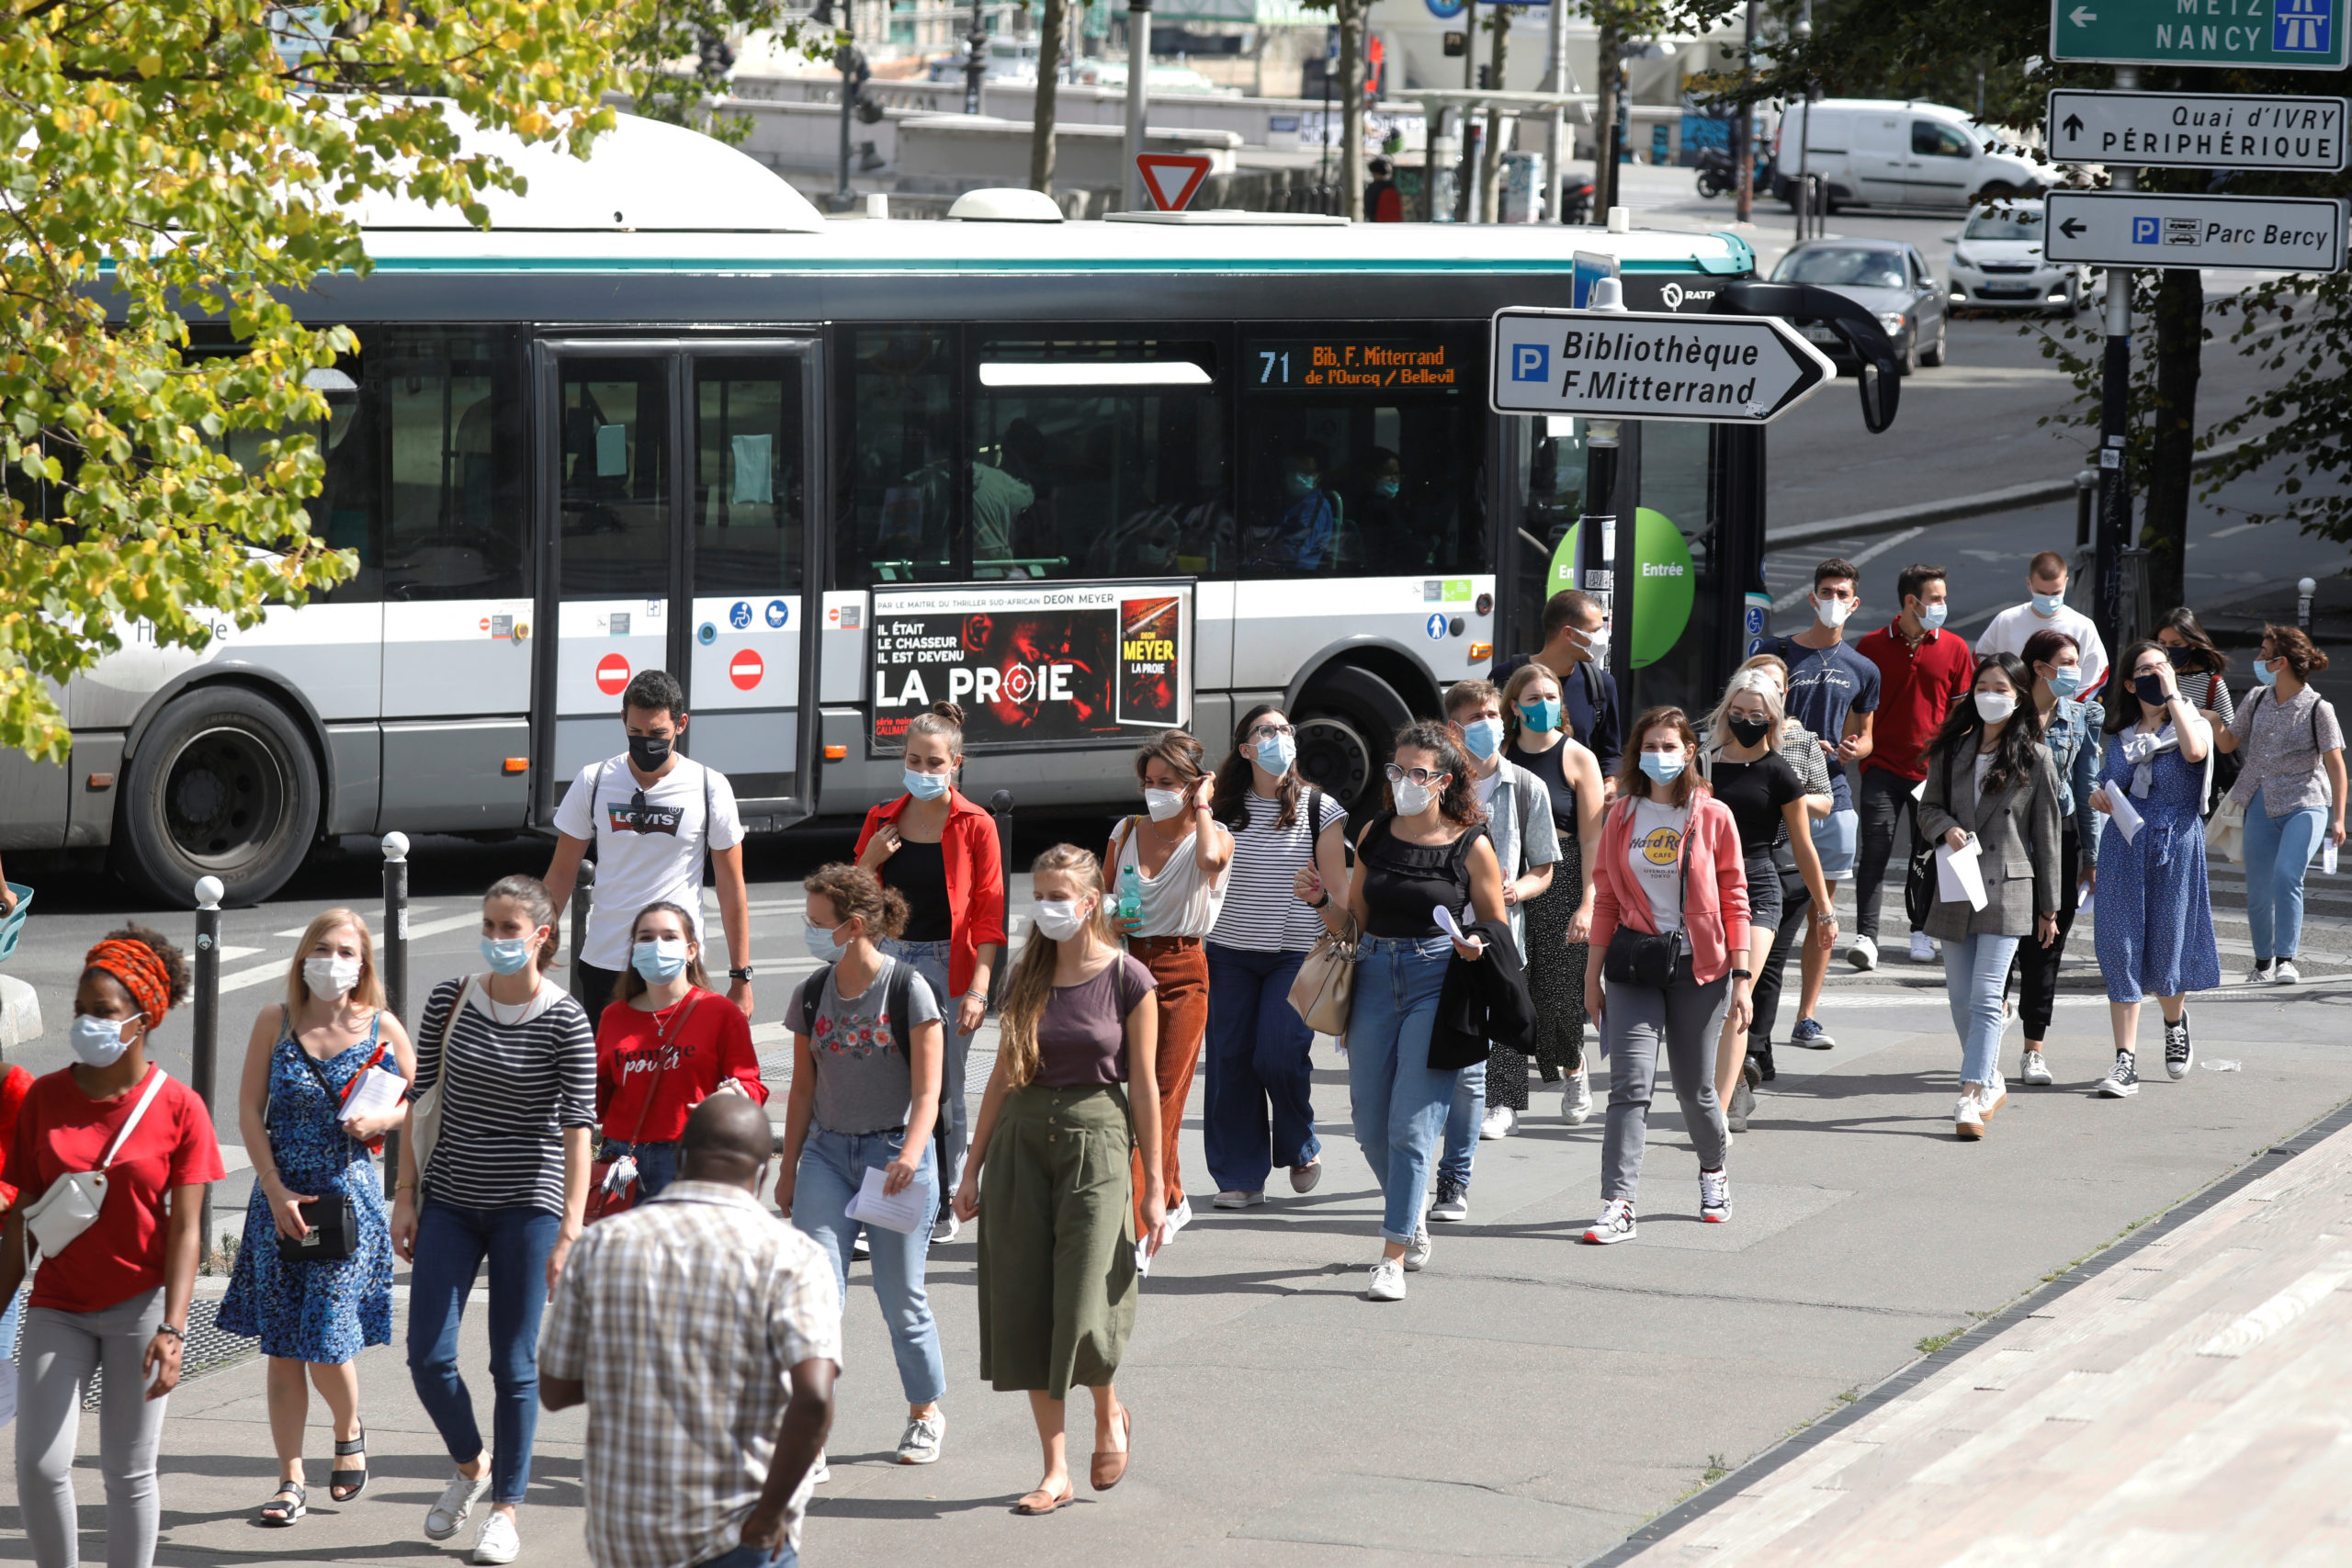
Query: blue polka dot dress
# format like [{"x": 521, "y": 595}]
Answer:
[
  {"x": 314, "y": 1311},
  {"x": 2153, "y": 916}
]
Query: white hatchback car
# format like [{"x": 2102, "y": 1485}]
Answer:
[{"x": 1997, "y": 264}]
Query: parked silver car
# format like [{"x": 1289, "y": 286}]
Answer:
[{"x": 1887, "y": 278}]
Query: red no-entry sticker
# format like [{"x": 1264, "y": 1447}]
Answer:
[
  {"x": 612, "y": 674},
  {"x": 745, "y": 670}
]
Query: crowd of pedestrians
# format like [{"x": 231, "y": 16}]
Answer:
[{"x": 602, "y": 1151}]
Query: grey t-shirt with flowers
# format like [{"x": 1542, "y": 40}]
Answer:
[{"x": 864, "y": 1083}]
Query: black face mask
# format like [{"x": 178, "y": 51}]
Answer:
[
  {"x": 1748, "y": 731},
  {"x": 648, "y": 751},
  {"x": 2149, "y": 689},
  {"x": 2181, "y": 658}
]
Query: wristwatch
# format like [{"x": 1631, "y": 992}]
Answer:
[
  {"x": 738, "y": 974},
  {"x": 1743, "y": 974}
]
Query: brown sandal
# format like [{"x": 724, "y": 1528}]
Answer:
[
  {"x": 1052, "y": 1502},
  {"x": 1111, "y": 1464}
]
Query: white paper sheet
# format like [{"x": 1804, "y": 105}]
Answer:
[
  {"x": 1444, "y": 920},
  {"x": 374, "y": 1095},
  {"x": 1959, "y": 875},
  {"x": 2328, "y": 858},
  {"x": 2084, "y": 900},
  {"x": 903, "y": 1212},
  {"x": 2122, "y": 813}
]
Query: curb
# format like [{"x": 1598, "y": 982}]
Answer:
[
  {"x": 1797, "y": 1444},
  {"x": 1895, "y": 519}
]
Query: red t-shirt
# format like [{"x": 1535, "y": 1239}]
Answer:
[
  {"x": 680, "y": 1072},
  {"x": 1917, "y": 689},
  {"x": 62, "y": 1129}
]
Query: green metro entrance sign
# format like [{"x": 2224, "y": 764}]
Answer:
[{"x": 2279, "y": 35}]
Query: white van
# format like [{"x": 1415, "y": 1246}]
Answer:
[{"x": 1883, "y": 152}]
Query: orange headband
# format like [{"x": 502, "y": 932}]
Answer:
[{"x": 142, "y": 973}]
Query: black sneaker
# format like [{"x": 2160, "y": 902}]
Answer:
[
  {"x": 2123, "y": 1080},
  {"x": 1761, "y": 1060},
  {"x": 2179, "y": 1055},
  {"x": 1453, "y": 1201}
]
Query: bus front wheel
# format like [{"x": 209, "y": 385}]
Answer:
[
  {"x": 223, "y": 784},
  {"x": 1345, "y": 721}
]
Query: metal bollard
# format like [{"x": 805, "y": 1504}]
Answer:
[
  {"x": 1000, "y": 802},
  {"x": 204, "y": 1045},
  {"x": 395, "y": 969},
  {"x": 583, "y": 895},
  {"x": 2085, "y": 495},
  {"x": 2305, "y": 590}
]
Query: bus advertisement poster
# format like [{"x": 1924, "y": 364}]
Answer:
[{"x": 1034, "y": 665}]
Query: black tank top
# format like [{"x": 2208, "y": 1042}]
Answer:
[
  {"x": 1403, "y": 883},
  {"x": 1551, "y": 767}
]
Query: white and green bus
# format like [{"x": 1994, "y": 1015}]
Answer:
[{"x": 1089, "y": 479}]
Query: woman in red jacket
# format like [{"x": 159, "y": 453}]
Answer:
[
  {"x": 1669, "y": 866},
  {"x": 663, "y": 1048},
  {"x": 939, "y": 851}
]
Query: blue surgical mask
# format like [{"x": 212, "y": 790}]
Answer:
[
  {"x": 2068, "y": 682},
  {"x": 1541, "y": 716},
  {"x": 662, "y": 959},
  {"x": 1484, "y": 737},
  {"x": 1385, "y": 489},
  {"x": 925, "y": 786},
  {"x": 2264, "y": 673},
  {"x": 2047, "y": 603},
  {"x": 1298, "y": 484},
  {"x": 507, "y": 955},
  {"x": 1932, "y": 615},
  {"x": 1663, "y": 768},
  {"x": 99, "y": 1042},
  {"x": 1277, "y": 755},
  {"x": 822, "y": 945}
]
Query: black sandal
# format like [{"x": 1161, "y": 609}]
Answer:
[
  {"x": 343, "y": 1486},
  {"x": 278, "y": 1514}
]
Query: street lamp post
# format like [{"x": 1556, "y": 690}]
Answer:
[
  {"x": 1139, "y": 75},
  {"x": 975, "y": 65}
]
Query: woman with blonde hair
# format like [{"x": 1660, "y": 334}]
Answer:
[
  {"x": 303, "y": 1062},
  {"x": 1071, "y": 1101}
]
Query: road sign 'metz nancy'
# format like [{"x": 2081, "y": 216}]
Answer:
[
  {"x": 2279, "y": 35},
  {"x": 1645, "y": 365}
]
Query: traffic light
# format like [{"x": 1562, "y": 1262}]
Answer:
[{"x": 1485, "y": 78}]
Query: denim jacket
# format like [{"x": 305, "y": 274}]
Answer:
[{"x": 2075, "y": 750}]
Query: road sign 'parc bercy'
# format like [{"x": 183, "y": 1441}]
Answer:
[
  {"x": 1651, "y": 365},
  {"x": 2134, "y": 228}
]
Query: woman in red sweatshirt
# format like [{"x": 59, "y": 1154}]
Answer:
[{"x": 1669, "y": 868}]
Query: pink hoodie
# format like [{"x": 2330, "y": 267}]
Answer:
[{"x": 1715, "y": 899}]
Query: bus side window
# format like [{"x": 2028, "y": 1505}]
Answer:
[
  {"x": 902, "y": 513},
  {"x": 446, "y": 406}
]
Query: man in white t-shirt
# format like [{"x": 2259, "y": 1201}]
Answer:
[
  {"x": 2047, "y": 610},
  {"x": 651, "y": 813}
]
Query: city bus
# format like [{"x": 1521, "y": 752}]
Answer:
[{"x": 1090, "y": 480}]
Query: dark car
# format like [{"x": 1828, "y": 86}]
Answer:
[{"x": 1887, "y": 278}]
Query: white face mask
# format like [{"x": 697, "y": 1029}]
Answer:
[
  {"x": 1995, "y": 707},
  {"x": 1163, "y": 803},
  {"x": 1061, "y": 919},
  {"x": 97, "y": 1040},
  {"x": 1412, "y": 799},
  {"x": 330, "y": 978},
  {"x": 1833, "y": 613}
]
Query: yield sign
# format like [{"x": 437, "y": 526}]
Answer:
[{"x": 1173, "y": 180}]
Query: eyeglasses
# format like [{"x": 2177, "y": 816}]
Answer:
[
  {"x": 1423, "y": 776},
  {"x": 1272, "y": 732}
]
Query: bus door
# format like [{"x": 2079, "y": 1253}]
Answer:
[{"x": 676, "y": 511}]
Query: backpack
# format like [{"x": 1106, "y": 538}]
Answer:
[{"x": 897, "y": 991}]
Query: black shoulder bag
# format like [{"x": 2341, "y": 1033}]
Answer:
[
  {"x": 1648, "y": 958},
  {"x": 333, "y": 1236}
]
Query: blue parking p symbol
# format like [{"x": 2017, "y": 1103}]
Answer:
[
  {"x": 2144, "y": 230},
  {"x": 1531, "y": 362}
]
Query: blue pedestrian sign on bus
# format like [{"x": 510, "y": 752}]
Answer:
[
  {"x": 1436, "y": 627},
  {"x": 739, "y": 616}
]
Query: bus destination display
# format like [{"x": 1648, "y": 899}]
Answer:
[
  {"x": 1034, "y": 665},
  {"x": 1352, "y": 364}
]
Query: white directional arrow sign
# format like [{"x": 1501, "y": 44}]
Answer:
[
  {"x": 2132, "y": 227},
  {"x": 2196, "y": 131},
  {"x": 1644, "y": 365}
]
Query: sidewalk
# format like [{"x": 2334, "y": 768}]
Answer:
[{"x": 2179, "y": 1400}]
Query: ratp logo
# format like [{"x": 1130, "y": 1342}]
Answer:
[
  {"x": 2300, "y": 27},
  {"x": 2145, "y": 231},
  {"x": 1531, "y": 362}
]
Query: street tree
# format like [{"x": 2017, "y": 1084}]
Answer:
[
  {"x": 1053, "y": 24},
  {"x": 684, "y": 49},
  {"x": 180, "y": 170},
  {"x": 1349, "y": 18}
]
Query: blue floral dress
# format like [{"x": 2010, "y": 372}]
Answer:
[
  {"x": 314, "y": 1311},
  {"x": 2152, "y": 920}
]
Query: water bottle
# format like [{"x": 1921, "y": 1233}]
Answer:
[{"x": 1130, "y": 894}]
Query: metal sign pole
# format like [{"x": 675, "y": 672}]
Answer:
[
  {"x": 204, "y": 1045},
  {"x": 1139, "y": 77},
  {"x": 2115, "y": 413},
  {"x": 395, "y": 976}
]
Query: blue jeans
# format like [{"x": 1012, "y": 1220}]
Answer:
[
  {"x": 451, "y": 1243},
  {"x": 1257, "y": 1062},
  {"x": 951, "y": 1136},
  {"x": 1398, "y": 1101},
  {"x": 1976, "y": 970},
  {"x": 1462, "y": 1119},
  {"x": 754, "y": 1557},
  {"x": 832, "y": 1166},
  {"x": 2279, "y": 853},
  {"x": 657, "y": 1163}
]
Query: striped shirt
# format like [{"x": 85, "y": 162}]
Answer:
[
  {"x": 513, "y": 1090},
  {"x": 685, "y": 1318},
  {"x": 1263, "y": 913}
]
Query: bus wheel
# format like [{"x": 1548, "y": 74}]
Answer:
[
  {"x": 1344, "y": 722},
  {"x": 224, "y": 785}
]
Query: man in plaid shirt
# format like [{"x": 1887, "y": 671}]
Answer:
[{"x": 703, "y": 1332}]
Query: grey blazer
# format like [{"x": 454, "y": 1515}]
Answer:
[{"x": 2018, "y": 827}]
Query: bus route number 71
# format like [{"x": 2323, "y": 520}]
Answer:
[{"x": 1270, "y": 357}]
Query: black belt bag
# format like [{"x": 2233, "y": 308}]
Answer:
[
  {"x": 334, "y": 1237},
  {"x": 1642, "y": 958}
]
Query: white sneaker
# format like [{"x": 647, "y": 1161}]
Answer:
[
  {"x": 2259, "y": 975},
  {"x": 498, "y": 1540},
  {"x": 1575, "y": 1098},
  {"x": 1497, "y": 1122},
  {"x": 1714, "y": 1197},
  {"x": 1417, "y": 1254},
  {"x": 1234, "y": 1198},
  {"x": 1968, "y": 1116},
  {"x": 1862, "y": 954},
  {"x": 944, "y": 1230},
  {"x": 2036, "y": 1070},
  {"x": 1996, "y": 1094},
  {"x": 1180, "y": 1215},
  {"x": 448, "y": 1516},
  {"x": 2284, "y": 972},
  {"x": 923, "y": 1440},
  {"x": 821, "y": 1473},
  {"x": 1923, "y": 948},
  {"x": 1615, "y": 1224},
  {"x": 1388, "y": 1281}
]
